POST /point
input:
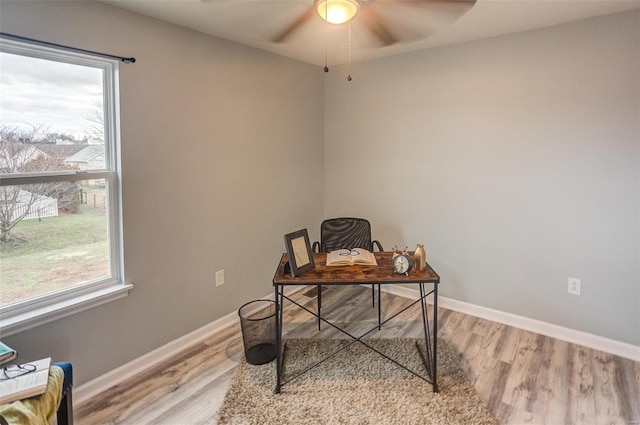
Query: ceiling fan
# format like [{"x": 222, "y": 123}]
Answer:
[{"x": 364, "y": 11}]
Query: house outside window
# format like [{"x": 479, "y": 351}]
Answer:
[{"x": 60, "y": 204}]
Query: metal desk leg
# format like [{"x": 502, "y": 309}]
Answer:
[
  {"x": 279, "y": 302},
  {"x": 429, "y": 357},
  {"x": 319, "y": 287},
  {"x": 379, "y": 307},
  {"x": 435, "y": 335}
]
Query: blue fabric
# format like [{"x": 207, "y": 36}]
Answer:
[
  {"x": 65, "y": 410},
  {"x": 68, "y": 375}
]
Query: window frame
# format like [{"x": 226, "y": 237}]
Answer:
[{"x": 41, "y": 309}]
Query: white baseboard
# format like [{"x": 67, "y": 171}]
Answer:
[
  {"x": 596, "y": 342},
  {"x": 92, "y": 388}
]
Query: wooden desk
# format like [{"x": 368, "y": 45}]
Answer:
[{"x": 359, "y": 275}]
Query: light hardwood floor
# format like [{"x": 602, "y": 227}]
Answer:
[{"x": 525, "y": 378}]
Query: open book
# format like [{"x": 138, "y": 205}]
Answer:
[
  {"x": 27, "y": 380},
  {"x": 353, "y": 257}
]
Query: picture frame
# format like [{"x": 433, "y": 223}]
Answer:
[{"x": 299, "y": 252}]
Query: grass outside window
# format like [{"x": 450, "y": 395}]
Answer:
[{"x": 54, "y": 253}]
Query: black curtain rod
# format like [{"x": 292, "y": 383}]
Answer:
[{"x": 60, "y": 46}]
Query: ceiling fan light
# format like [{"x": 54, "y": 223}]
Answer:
[{"x": 337, "y": 11}]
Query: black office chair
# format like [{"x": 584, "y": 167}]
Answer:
[{"x": 349, "y": 233}]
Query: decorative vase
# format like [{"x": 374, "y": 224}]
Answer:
[{"x": 420, "y": 258}]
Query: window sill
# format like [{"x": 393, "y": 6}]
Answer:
[{"x": 21, "y": 322}]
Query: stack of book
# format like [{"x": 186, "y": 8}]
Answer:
[{"x": 7, "y": 353}]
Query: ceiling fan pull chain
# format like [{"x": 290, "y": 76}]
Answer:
[
  {"x": 326, "y": 32},
  {"x": 349, "y": 74}
]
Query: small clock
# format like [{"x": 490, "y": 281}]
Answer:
[{"x": 402, "y": 264}]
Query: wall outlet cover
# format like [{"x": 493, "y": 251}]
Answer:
[
  {"x": 220, "y": 278},
  {"x": 575, "y": 286}
]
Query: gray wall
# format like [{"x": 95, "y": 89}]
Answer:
[
  {"x": 515, "y": 160},
  {"x": 216, "y": 140}
]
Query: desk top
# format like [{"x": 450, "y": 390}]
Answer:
[{"x": 340, "y": 275}]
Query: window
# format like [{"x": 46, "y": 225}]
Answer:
[{"x": 60, "y": 207}]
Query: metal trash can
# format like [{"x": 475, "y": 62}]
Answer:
[{"x": 258, "y": 323}]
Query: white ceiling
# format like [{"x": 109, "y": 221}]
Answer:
[{"x": 255, "y": 22}]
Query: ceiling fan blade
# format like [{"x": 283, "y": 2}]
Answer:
[
  {"x": 462, "y": 3},
  {"x": 430, "y": 16},
  {"x": 451, "y": 9},
  {"x": 374, "y": 23},
  {"x": 283, "y": 35}
]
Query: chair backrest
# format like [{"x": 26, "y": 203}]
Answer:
[{"x": 345, "y": 232}]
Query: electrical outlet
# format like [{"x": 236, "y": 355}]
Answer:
[
  {"x": 220, "y": 278},
  {"x": 575, "y": 286}
]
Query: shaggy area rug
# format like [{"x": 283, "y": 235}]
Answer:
[{"x": 357, "y": 386}]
